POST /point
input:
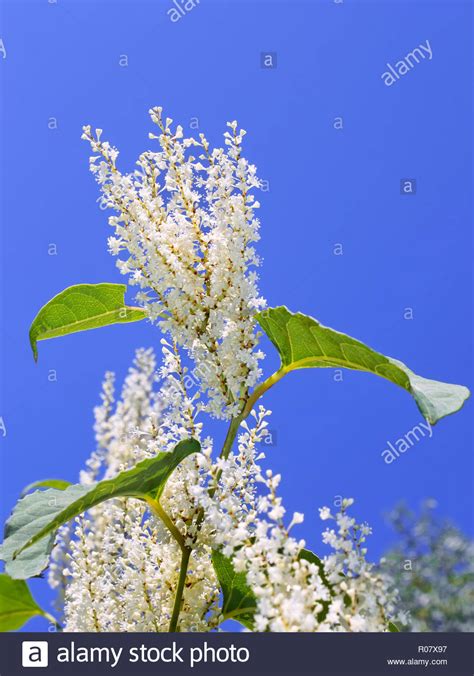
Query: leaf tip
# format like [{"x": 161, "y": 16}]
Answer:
[{"x": 34, "y": 346}]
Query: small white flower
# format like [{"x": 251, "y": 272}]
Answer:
[
  {"x": 298, "y": 518},
  {"x": 325, "y": 513}
]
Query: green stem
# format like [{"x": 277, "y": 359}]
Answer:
[
  {"x": 160, "y": 512},
  {"x": 226, "y": 449},
  {"x": 260, "y": 391},
  {"x": 52, "y": 620},
  {"x": 178, "y": 600},
  {"x": 231, "y": 434}
]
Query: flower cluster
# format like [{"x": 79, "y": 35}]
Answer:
[
  {"x": 185, "y": 231},
  {"x": 117, "y": 566},
  {"x": 362, "y": 598},
  {"x": 295, "y": 590},
  {"x": 187, "y": 228}
]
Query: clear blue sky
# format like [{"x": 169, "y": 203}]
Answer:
[{"x": 327, "y": 186}]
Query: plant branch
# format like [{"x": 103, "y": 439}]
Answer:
[
  {"x": 178, "y": 600},
  {"x": 260, "y": 391},
  {"x": 230, "y": 436},
  {"x": 226, "y": 449},
  {"x": 158, "y": 510},
  {"x": 52, "y": 620}
]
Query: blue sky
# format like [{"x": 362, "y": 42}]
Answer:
[{"x": 327, "y": 186}]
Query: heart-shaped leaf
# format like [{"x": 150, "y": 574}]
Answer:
[
  {"x": 30, "y": 531},
  {"x": 82, "y": 307},
  {"x": 17, "y": 605},
  {"x": 305, "y": 343}
]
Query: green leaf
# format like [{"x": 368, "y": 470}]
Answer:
[
  {"x": 46, "y": 483},
  {"x": 239, "y": 601},
  {"x": 310, "y": 556},
  {"x": 30, "y": 531},
  {"x": 393, "y": 628},
  {"x": 17, "y": 605},
  {"x": 82, "y": 307},
  {"x": 305, "y": 343}
]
